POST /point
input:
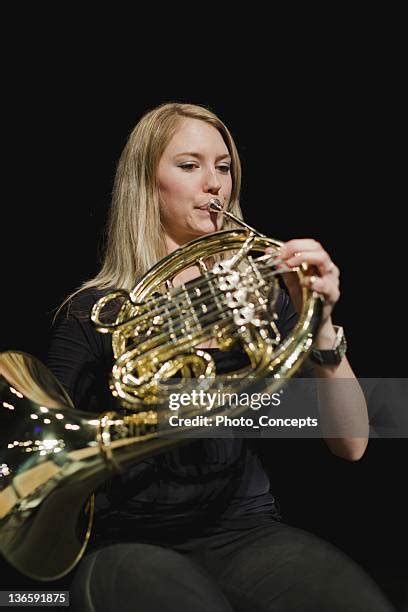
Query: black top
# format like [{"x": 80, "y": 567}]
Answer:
[{"x": 193, "y": 485}]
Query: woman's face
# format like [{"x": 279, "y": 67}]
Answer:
[{"x": 194, "y": 167}]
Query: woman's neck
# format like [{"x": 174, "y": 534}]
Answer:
[
  {"x": 171, "y": 243},
  {"x": 188, "y": 273}
]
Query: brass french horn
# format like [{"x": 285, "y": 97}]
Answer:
[{"x": 53, "y": 457}]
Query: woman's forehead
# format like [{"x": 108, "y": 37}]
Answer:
[{"x": 196, "y": 136}]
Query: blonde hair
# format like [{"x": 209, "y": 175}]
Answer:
[{"x": 134, "y": 237}]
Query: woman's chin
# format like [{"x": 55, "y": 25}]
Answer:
[
  {"x": 207, "y": 226},
  {"x": 197, "y": 230}
]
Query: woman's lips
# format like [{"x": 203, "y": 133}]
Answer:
[
  {"x": 205, "y": 211},
  {"x": 205, "y": 207}
]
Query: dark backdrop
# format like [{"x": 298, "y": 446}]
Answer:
[{"x": 321, "y": 163}]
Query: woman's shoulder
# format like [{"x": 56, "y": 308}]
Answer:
[{"x": 79, "y": 305}]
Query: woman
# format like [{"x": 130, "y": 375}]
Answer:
[{"x": 197, "y": 528}]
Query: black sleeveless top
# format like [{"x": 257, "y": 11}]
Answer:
[{"x": 199, "y": 483}]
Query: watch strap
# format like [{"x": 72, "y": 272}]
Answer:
[{"x": 331, "y": 356}]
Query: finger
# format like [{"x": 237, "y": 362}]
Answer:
[
  {"x": 324, "y": 286},
  {"x": 319, "y": 258},
  {"x": 288, "y": 249},
  {"x": 333, "y": 269}
]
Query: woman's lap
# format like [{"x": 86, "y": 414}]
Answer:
[{"x": 266, "y": 569}]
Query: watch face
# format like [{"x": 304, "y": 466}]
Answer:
[{"x": 342, "y": 346}]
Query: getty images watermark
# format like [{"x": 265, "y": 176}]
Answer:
[
  {"x": 302, "y": 407},
  {"x": 209, "y": 401}
]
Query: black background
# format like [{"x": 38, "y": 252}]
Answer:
[{"x": 321, "y": 154}]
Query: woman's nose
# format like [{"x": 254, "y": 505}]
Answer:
[{"x": 212, "y": 182}]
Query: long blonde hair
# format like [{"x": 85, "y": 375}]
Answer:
[{"x": 134, "y": 234}]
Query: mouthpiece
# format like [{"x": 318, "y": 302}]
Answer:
[{"x": 215, "y": 205}]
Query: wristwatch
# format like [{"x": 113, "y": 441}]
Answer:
[{"x": 334, "y": 355}]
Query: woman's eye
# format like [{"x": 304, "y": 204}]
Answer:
[{"x": 188, "y": 167}]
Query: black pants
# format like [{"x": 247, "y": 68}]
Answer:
[{"x": 269, "y": 568}]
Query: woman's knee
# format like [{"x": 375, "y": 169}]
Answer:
[
  {"x": 291, "y": 567},
  {"x": 143, "y": 577}
]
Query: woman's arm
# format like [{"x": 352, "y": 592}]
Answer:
[{"x": 342, "y": 405}]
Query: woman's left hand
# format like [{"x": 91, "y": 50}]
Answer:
[{"x": 322, "y": 275}]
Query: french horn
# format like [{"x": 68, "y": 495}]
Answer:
[{"x": 53, "y": 457}]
